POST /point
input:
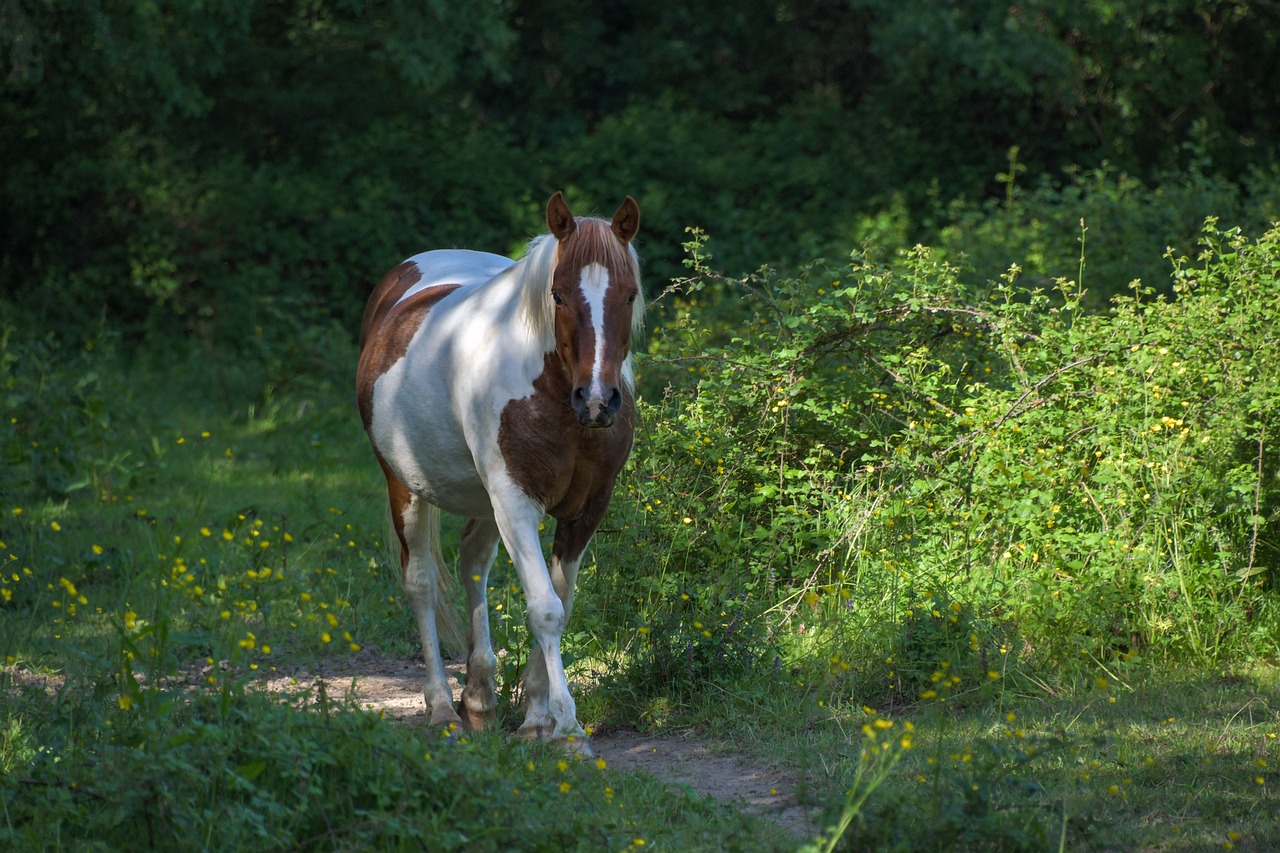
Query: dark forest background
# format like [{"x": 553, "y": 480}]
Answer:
[{"x": 206, "y": 168}]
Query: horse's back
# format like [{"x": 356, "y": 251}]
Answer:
[
  {"x": 455, "y": 267},
  {"x": 462, "y": 267}
]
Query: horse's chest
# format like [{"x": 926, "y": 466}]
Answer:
[{"x": 556, "y": 461}]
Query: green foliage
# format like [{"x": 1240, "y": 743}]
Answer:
[
  {"x": 1129, "y": 226},
  {"x": 1056, "y": 770},
  {"x": 686, "y": 648},
  {"x": 1054, "y": 483},
  {"x": 60, "y": 414},
  {"x": 270, "y": 160}
]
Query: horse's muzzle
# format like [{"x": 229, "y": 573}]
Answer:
[{"x": 594, "y": 411}]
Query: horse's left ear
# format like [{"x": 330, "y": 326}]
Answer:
[
  {"x": 626, "y": 221},
  {"x": 559, "y": 218}
]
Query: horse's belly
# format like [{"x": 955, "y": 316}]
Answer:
[
  {"x": 430, "y": 457},
  {"x": 463, "y": 496}
]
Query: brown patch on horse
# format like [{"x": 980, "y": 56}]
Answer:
[
  {"x": 566, "y": 467},
  {"x": 574, "y": 534},
  {"x": 387, "y": 294},
  {"x": 387, "y": 340}
]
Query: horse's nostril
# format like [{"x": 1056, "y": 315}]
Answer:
[{"x": 615, "y": 401}]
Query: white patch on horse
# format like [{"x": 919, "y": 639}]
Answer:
[
  {"x": 454, "y": 266},
  {"x": 594, "y": 282}
]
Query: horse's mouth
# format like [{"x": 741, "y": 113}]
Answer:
[{"x": 602, "y": 421}]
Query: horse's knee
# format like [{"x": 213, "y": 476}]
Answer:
[
  {"x": 420, "y": 585},
  {"x": 546, "y": 617}
]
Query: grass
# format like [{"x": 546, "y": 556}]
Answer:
[
  {"x": 1131, "y": 757},
  {"x": 140, "y": 610},
  {"x": 1163, "y": 764},
  {"x": 213, "y": 541}
]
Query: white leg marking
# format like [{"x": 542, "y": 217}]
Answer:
[
  {"x": 552, "y": 712},
  {"x": 537, "y": 687}
]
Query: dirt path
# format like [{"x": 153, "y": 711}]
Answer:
[{"x": 394, "y": 687}]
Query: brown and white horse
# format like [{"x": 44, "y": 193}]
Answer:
[{"x": 501, "y": 391}]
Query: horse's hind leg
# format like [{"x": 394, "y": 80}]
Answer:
[
  {"x": 417, "y": 525},
  {"x": 479, "y": 548}
]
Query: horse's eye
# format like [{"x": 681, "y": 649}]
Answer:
[
  {"x": 555, "y": 294},
  {"x": 631, "y": 298}
]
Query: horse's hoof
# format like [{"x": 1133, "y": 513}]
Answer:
[
  {"x": 447, "y": 725},
  {"x": 533, "y": 731},
  {"x": 578, "y": 744},
  {"x": 477, "y": 721},
  {"x": 575, "y": 742}
]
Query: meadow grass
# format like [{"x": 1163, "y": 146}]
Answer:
[
  {"x": 1123, "y": 755},
  {"x": 142, "y": 608},
  {"x": 1159, "y": 762},
  {"x": 198, "y": 538}
]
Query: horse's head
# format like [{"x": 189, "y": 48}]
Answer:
[{"x": 598, "y": 304}]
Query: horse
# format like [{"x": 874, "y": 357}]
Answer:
[{"x": 502, "y": 391}]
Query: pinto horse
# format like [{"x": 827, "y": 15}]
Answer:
[{"x": 501, "y": 391}]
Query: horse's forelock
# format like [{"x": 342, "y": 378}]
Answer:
[{"x": 593, "y": 241}]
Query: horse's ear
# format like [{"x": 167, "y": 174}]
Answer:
[
  {"x": 559, "y": 218},
  {"x": 626, "y": 221}
]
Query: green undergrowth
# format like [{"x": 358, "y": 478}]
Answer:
[
  {"x": 230, "y": 769},
  {"x": 1145, "y": 760},
  {"x": 869, "y": 517}
]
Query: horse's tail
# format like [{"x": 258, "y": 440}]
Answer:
[
  {"x": 449, "y": 627},
  {"x": 448, "y": 621}
]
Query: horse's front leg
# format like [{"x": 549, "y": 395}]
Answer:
[
  {"x": 537, "y": 685},
  {"x": 551, "y": 712},
  {"x": 571, "y": 540}
]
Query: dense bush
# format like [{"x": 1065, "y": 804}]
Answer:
[
  {"x": 1033, "y": 481},
  {"x": 1121, "y": 225}
]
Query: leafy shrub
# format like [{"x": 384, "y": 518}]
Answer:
[
  {"x": 61, "y": 405},
  {"x": 1129, "y": 225},
  {"x": 695, "y": 643},
  {"x": 1079, "y": 483}
]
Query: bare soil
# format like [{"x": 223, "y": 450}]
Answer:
[{"x": 394, "y": 687}]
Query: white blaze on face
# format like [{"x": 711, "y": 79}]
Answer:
[{"x": 594, "y": 281}]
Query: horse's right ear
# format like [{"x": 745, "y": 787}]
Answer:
[{"x": 559, "y": 218}]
